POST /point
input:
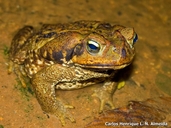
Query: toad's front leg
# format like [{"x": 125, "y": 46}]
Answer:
[
  {"x": 44, "y": 87},
  {"x": 105, "y": 94},
  {"x": 45, "y": 81}
]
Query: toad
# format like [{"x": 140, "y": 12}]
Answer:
[{"x": 71, "y": 56}]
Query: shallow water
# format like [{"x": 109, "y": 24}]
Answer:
[{"x": 149, "y": 75}]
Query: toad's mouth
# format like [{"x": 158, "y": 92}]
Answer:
[{"x": 101, "y": 67}]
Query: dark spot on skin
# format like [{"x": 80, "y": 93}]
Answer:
[
  {"x": 37, "y": 40},
  {"x": 123, "y": 53},
  {"x": 49, "y": 35},
  {"x": 69, "y": 54},
  {"x": 104, "y": 26},
  {"x": 77, "y": 50},
  {"x": 57, "y": 56}
]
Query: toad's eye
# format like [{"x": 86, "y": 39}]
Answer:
[
  {"x": 93, "y": 47},
  {"x": 135, "y": 38}
]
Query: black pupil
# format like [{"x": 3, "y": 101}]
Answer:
[{"x": 93, "y": 47}]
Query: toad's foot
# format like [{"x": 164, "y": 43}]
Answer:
[
  {"x": 105, "y": 94},
  {"x": 61, "y": 112},
  {"x": 19, "y": 71}
]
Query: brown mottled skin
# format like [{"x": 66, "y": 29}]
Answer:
[{"x": 71, "y": 56}]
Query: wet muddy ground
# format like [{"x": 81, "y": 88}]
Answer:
[{"x": 148, "y": 77}]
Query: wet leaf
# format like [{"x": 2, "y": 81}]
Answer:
[{"x": 137, "y": 114}]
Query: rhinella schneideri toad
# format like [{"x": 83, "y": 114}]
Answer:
[{"x": 71, "y": 56}]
